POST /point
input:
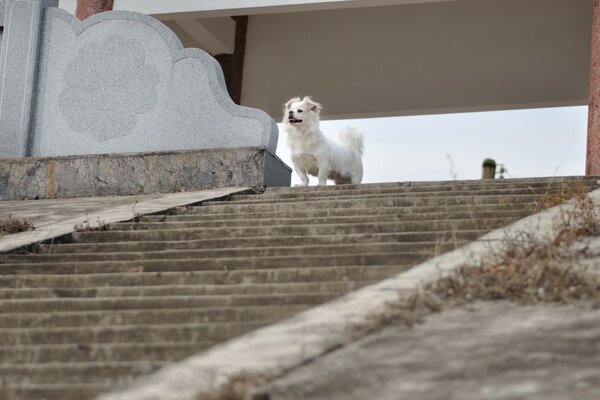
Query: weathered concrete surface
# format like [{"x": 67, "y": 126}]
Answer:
[
  {"x": 484, "y": 351},
  {"x": 141, "y": 173},
  {"x": 53, "y": 218}
]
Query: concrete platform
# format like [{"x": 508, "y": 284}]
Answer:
[{"x": 139, "y": 173}]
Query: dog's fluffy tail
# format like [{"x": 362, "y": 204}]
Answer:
[{"x": 353, "y": 139}]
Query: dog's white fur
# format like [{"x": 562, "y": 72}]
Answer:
[{"x": 315, "y": 154}]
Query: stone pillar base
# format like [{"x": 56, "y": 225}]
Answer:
[{"x": 139, "y": 173}]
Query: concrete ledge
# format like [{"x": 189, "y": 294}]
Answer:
[
  {"x": 139, "y": 173},
  {"x": 54, "y": 218},
  {"x": 274, "y": 350}
]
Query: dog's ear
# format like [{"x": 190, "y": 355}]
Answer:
[
  {"x": 289, "y": 103},
  {"x": 313, "y": 105}
]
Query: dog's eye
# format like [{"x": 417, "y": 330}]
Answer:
[{"x": 300, "y": 111}]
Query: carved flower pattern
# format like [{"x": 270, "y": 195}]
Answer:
[{"x": 107, "y": 86}]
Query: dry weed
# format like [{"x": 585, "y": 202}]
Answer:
[
  {"x": 15, "y": 225},
  {"x": 87, "y": 227},
  {"x": 533, "y": 271},
  {"x": 178, "y": 210},
  {"x": 237, "y": 388},
  {"x": 575, "y": 191}
]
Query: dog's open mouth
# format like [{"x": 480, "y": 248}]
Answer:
[{"x": 293, "y": 120}]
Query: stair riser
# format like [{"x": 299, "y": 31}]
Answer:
[
  {"x": 155, "y": 303},
  {"x": 568, "y": 181},
  {"x": 353, "y": 204},
  {"x": 470, "y": 221},
  {"x": 285, "y": 231},
  {"x": 100, "y": 353},
  {"x": 322, "y": 274},
  {"x": 148, "y": 317},
  {"x": 431, "y": 212},
  {"x": 272, "y": 242},
  {"x": 366, "y": 248},
  {"x": 182, "y": 290},
  {"x": 225, "y": 264},
  {"x": 306, "y": 220},
  {"x": 150, "y": 334},
  {"x": 56, "y": 391},
  {"x": 74, "y": 373},
  {"x": 398, "y": 193}
]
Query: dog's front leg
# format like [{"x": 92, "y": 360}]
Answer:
[{"x": 302, "y": 174}]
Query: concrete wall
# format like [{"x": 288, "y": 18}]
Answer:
[{"x": 421, "y": 58}]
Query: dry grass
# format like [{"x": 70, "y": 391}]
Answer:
[
  {"x": 15, "y": 225},
  {"x": 533, "y": 271},
  {"x": 237, "y": 388},
  {"x": 576, "y": 191},
  {"x": 86, "y": 226},
  {"x": 178, "y": 210}
]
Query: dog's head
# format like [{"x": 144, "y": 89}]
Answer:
[{"x": 301, "y": 112}]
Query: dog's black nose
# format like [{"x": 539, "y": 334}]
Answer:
[{"x": 291, "y": 113}]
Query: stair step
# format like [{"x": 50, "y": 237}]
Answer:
[
  {"x": 119, "y": 373},
  {"x": 306, "y": 219},
  {"x": 445, "y": 201},
  {"x": 55, "y": 391},
  {"x": 281, "y": 275},
  {"x": 100, "y": 352},
  {"x": 417, "y": 233},
  {"x": 426, "y": 212},
  {"x": 188, "y": 314},
  {"x": 194, "y": 233},
  {"x": 54, "y": 305},
  {"x": 218, "y": 331},
  {"x": 406, "y": 237},
  {"x": 398, "y": 193},
  {"x": 445, "y": 223},
  {"x": 210, "y": 264},
  {"x": 182, "y": 290},
  {"x": 417, "y": 185},
  {"x": 365, "y": 248}
]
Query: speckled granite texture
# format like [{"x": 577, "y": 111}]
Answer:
[
  {"x": 139, "y": 173},
  {"x": 116, "y": 82}
]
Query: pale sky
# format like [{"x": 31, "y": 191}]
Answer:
[{"x": 532, "y": 142}]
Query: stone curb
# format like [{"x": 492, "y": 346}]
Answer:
[
  {"x": 109, "y": 214},
  {"x": 274, "y": 350}
]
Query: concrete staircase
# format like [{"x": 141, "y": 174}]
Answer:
[{"x": 91, "y": 315}]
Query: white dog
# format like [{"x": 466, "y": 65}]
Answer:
[{"x": 313, "y": 153}]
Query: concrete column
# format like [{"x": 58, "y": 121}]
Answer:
[
  {"x": 592, "y": 165},
  {"x": 18, "y": 71},
  {"x": 87, "y": 8},
  {"x": 488, "y": 169}
]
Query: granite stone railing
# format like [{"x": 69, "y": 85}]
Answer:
[
  {"x": 88, "y": 107},
  {"x": 117, "y": 82}
]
